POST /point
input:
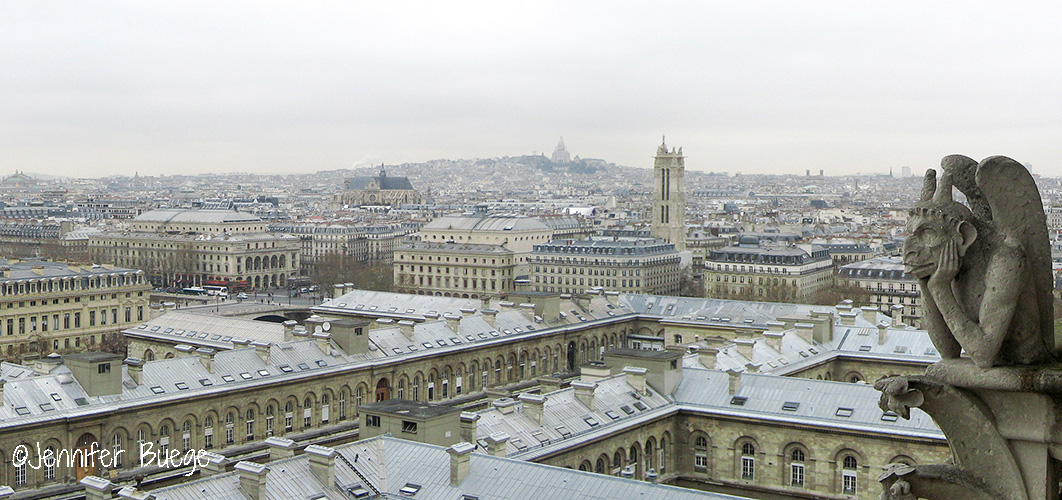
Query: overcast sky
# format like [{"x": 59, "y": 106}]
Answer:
[{"x": 94, "y": 89}]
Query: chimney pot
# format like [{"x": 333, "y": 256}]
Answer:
[
  {"x": 584, "y": 392},
  {"x": 135, "y": 368},
  {"x": 734, "y": 381},
  {"x": 497, "y": 444},
  {"x": 322, "y": 463},
  {"x": 460, "y": 461},
  {"x": 636, "y": 378},
  {"x": 280, "y": 448},
  {"x": 533, "y": 406},
  {"x": 96, "y": 488},
  {"x": 252, "y": 479}
]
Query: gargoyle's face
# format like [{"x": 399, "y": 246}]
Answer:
[{"x": 926, "y": 237}]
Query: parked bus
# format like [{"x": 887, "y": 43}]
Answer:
[
  {"x": 216, "y": 290},
  {"x": 194, "y": 290}
]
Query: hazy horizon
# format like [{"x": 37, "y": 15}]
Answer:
[{"x": 751, "y": 87}]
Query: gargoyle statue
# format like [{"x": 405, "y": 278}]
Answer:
[{"x": 986, "y": 273}]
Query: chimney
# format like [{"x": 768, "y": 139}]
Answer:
[
  {"x": 280, "y": 448},
  {"x": 468, "y": 426},
  {"x": 582, "y": 301},
  {"x": 484, "y": 302},
  {"x": 774, "y": 340},
  {"x": 528, "y": 310},
  {"x": 135, "y": 368},
  {"x": 734, "y": 382},
  {"x": 215, "y": 464},
  {"x": 584, "y": 392},
  {"x": 132, "y": 494},
  {"x": 184, "y": 350},
  {"x": 549, "y": 383},
  {"x": 262, "y": 350},
  {"x": 612, "y": 296},
  {"x": 706, "y": 356},
  {"x": 533, "y": 405},
  {"x": 806, "y": 331},
  {"x": 635, "y": 378},
  {"x": 593, "y": 371},
  {"x": 753, "y": 367},
  {"x": 497, "y": 444},
  {"x": 324, "y": 342},
  {"x": 490, "y": 316},
  {"x": 382, "y": 323},
  {"x": 453, "y": 322},
  {"x": 46, "y": 364},
  {"x": 322, "y": 463},
  {"x": 775, "y": 326},
  {"x": 252, "y": 479},
  {"x": 206, "y": 356},
  {"x": 897, "y": 316},
  {"x": 406, "y": 326},
  {"x": 505, "y": 405},
  {"x": 289, "y": 325},
  {"x": 848, "y": 318},
  {"x": 337, "y": 290},
  {"x": 870, "y": 313},
  {"x": 96, "y": 488},
  {"x": 299, "y": 332},
  {"x": 238, "y": 342},
  {"x": 467, "y": 311},
  {"x": 883, "y": 333},
  {"x": 745, "y": 347},
  {"x": 460, "y": 461}
]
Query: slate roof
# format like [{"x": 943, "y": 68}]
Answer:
[
  {"x": 385, "y": 183},
  {"x": 390, "y": 464},
  {"x": 486, "y": 223},
  {"x": 202, "y": 330},
  {"x": 180, "y": 215}
]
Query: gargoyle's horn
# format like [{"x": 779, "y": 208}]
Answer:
[
  {"x": 929, "y": 185},
  {"x": 943, "y": 192}
]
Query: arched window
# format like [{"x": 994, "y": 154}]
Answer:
[
  {"x": 270, "y": 415},
  {"x": 848, "y": 475},
  {"x": 186, "y": 436},
  {"x": 116, "y": 449},
  {"x": 208, "y": 433},
  {"x": 250, "y": 425},
  {"x": 748, "y": 461},
  {"x": 599, "y": 467},
  {"x": 325, "y": 404},
  {"x": 20, "y": 473},
  {"x": 359, "y": 395},
  {"x": 700, "y": 454},
  {"x": 796, "y": 468},
  {"x": 230, "y": 428},
  {"x": 289, "y": 416},
  {"x": 617, "y": 459},
  {"x": 402, "y": 389},
  {"x": 49, "y": 463},
  {"x": 164, "y": 439},
  {"x": 431, "y": 387},
  {"x": 342, "y": 402},
  {"x": 307, "y": 412}
]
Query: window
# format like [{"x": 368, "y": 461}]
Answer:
[
  {"x": 208, "y": 433},
  {"x": 270, "y": 414},
  {"x": 103, "y": 368},
  {"x": 796, "y": 468},
  {"x": 289, "y": 416},
  {"x": 324, "y": 409},
  {"x": 49, "y": 463},
  {"x": 116, "y": 450},
  {"x": 372, "y": 420},
  {"x": 848, "y": 475},
  {"x": 250, "y": 425},
  {"x": 186, "y": 436},
  {"x": 748, "y": 461},
  {"x": 409, "y": 427},
  {"x": 164, "y": 439},
  {"x": 20, "y": 474},
  {"x": 342, "y": 402},
  {"x": 230, "y": 431},
  {"x": 307, "y": 412},
  {"x": 700, "y": 453}
]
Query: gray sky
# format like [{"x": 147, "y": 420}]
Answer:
[{"x": 92, "y": 89}]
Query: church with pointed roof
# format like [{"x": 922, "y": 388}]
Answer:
[{"x": 379, "y": 190}]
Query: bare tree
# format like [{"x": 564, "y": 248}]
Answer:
[{"x": 334, "y": 268}]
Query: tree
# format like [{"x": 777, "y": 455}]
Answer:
[
  {"x": 690, "y": 286},
  {"x": 334, "y": 268}
]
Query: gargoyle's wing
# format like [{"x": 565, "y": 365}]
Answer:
[{"x": 1018, "y": 216}]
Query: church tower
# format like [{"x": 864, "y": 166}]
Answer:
[
  {"x": 560, "y": 155},
  {"x": 669, "y": 197}
]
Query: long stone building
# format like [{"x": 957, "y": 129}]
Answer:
[
  {"x": 375, "y": 346},
  {"x": 191, "y": 247},
  {"x": 58, "y": 307}
]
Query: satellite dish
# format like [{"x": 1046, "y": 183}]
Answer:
[{"x": 326, "y": 326}]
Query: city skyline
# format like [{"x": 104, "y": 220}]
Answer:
[{"x": 753, "y": 87}]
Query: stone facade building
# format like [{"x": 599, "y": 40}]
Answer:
[
  {"x": 55, "y": 307},
  {"x": 778, "y": 272},
  {"x": 181, "y": 247},
  {"x": 428, "y": 349},
  {"x": 627, "y": 265},
  {"x": 891, "y": 289}
]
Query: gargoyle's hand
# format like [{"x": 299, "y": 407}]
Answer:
[
  {"x": 947, "y": 267},
  {"x": 898, "y": 397}
]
